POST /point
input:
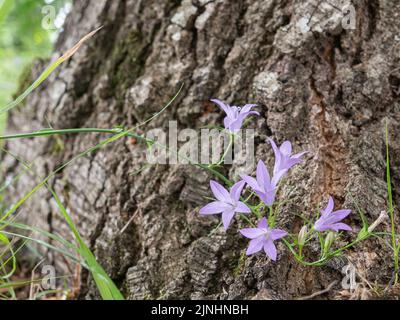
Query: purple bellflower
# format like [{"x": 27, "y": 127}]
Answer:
[
  {"x": 235, "y": 115},
  {"x": 227, "y": 202},
  {"x": 264, "y": 186},
  {"x": 283, "y": 156},
  {"x": 263, "y": 237},
  {"x": 330, "y": 220}
]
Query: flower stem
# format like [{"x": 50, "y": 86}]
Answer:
[
  {"x": 271, "y": 216},
  {"x": 231, "y": 138},
  {"x": 326, "y": 257},
  {"x": 49, "y": 132},
  {"x": 244, "y": 217},
  {"x": 391, "y": 212}
]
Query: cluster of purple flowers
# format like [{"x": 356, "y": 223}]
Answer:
[{"x": 228, "y": 203}]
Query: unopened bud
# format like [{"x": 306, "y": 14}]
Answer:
[
  {"x": 302, "y": 236},
  {"x": 382, "y": 217},
  {"x": 328, "y": 241}
]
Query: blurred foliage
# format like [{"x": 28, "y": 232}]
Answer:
[{"x": 28, "y": 29}]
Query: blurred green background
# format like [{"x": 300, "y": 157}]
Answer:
[{"x": 28, "y": 29}]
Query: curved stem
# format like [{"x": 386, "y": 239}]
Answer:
[
  {"x": 209, "y": 168},
  {"x": 227, "y": 150},
  {"x": 326, "y": 257},
  {"x": 391, "y": 211},
  {"x": 49, "y": 132}
]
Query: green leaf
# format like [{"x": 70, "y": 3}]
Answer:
[
  {"x": 363, "y": 233},
  {"x": 4, "y": 239},
  {"x": 106, "y": 286}
]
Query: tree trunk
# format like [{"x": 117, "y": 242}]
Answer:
[{"x": 329, "y": 90}]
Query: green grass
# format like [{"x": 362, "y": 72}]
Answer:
[
  {"x": 46, "y": 73},
  {"x": 105, "y": 285},
  {"x": 22, "y": 39},
  {"x": 395, "y": 246}
]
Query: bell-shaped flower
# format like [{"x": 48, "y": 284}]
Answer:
[
  {"x": 330, "y": 220},
  {"x": 263, "y": 185},
  {"x": 263, "y": 237},
  {"x": 235, "y": 116},
  {"x": 284, "y": 160},
  {"x": 227, "y": 202}
]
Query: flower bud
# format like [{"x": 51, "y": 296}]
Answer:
[
  {"x": 328, "y": 241},
  {"x": 302, "y": 237}
]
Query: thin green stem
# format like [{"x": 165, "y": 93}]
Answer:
[
  {"x": 128, "y": 133},
  {"x": 326, "y": 257},
  {"x": 271, "y": 216},
  {"x": 298, "y": 256},
  {"x": 391, "y": 212},
  {"x": 84, "y": 153},
  {"x": 51, "y": 132},
  {"x": 249, "y": 197},
  {"x": 245, "y": 218},
  {"x": 231, "y": 138}
]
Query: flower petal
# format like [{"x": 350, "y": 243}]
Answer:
[
  {"x": 341, "y": 214},
  {"x": 247, "y": 108},
  {"x": 267, "y": 197},
  {"x": 278, "y": 155},
  {"x": 255, "y": 245},
  {"x": 329, "y": 207},
  {"x": 334, "y": 217},
  {"x": 263, "y": 178},
  {"x": 319, "y": 224},
  {"x": 276, "y": 234},
  {"x": 227, "y": 216},
  {"x": 237, "y": 189},
  {"x": 223, "y": 106},
  {"x": 263, "y": 223},
  {"x": 340, "y": 226},
  {"x": 227, "y": 122},
  {"x": 235, "y": 125},
  {"x": 274, "y": 146},
  {"x": 321, "y": 227},
  {"x": 220, "y": 192},
  {"x": 214, "y": 208},
  {"x": 286, "y": 148},
  {"x": 252, "y": 183},
  {"x": 270, "y": 250},
  {"x": 299, "y": 155},
  {"x": 277, "y": 176},
  {"x": 251, "y": 233},
  {"x": 292, "y": 162},
  {"x": 242, "y": 208}
]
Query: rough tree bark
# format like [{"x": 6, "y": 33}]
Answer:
[{"x": 329, "y": 90}]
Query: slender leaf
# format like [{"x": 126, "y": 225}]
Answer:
[
  {"x": 106, "y": 286},
  {"x": 46, "y": 73}
]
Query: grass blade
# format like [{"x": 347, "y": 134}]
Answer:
[
  {"x": 106, "y": 286},
  {"x": 391, "y": 211},
  {"x": 82, "y": 154},
  {"x": 46, "y": 73}
]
